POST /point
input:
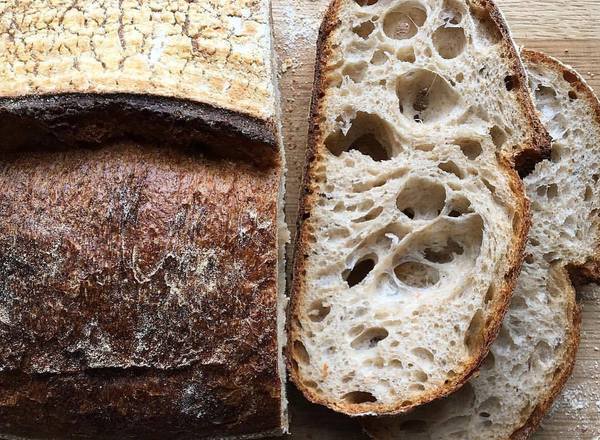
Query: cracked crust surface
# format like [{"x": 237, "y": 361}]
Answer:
[
  {"x": 141, "y": 223},
  {"x": 533, "y": 146},
  {"x": 217, "y": 53}
]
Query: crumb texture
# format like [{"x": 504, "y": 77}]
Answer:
[
  {"x": 214, "y": 52},
  {"x": 416, "y": 221},
  {"x": 138, "y": 284},
  {"x": 533, "y": 353}
]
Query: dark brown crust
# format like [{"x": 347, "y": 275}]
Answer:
[
  {"x": 578, "y": 274},
  {"x": 533, "y": 150},
  {"x": 139, "y": 289},
  {"x": 92, "y": 119}
]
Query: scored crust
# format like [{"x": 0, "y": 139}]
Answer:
[
  {"x": 149, "y": 100},
  {"x": 216, "y": 53},
  {"x": 523, "y": 158}
]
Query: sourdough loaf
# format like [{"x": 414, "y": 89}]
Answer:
[
  {"x": 414, "y": 216},
  {"x": 534, "y": 354},
  {"x": 141, "y": 221}
]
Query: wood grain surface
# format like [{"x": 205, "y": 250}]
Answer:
[{"x": 566, "y": 29}]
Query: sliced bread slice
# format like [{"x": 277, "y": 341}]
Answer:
[
  {"x": 414, "y": 217},
  {"x": 535, "y": 352}
]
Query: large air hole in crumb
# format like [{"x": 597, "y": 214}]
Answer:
[
  {"x": 300, "y": 353},
  {"x": 369, "y": 338},
  {"x": 360, "y": 271},
  {"x": 489, "y": 362},
  {"x": 421, "y": 198},
  {"x": 425, "y": 96},
  {"x": 370, "y": 216},
  {"x": 542, "y": 354},
  {"x": 498, "y": 136},
  {"x": 489, "y": 186},
  {"x": 416, "y": 274},
  {"x": 406, "y": 54},
  {"x": 470, "y": 148},
  {"x": 358, "y": 397},
  {"x": 489, "y": 406},
  {"x": 443, "y": 254},
  {"x": 573, "y": 95},
  {"x": 474, "y": 334},
  {"x": 364, "y": 29},
  {"x": 460, "y": 206},
  {"x": 449, "y": 41},
  {"x": 368, "y": 134},
  {"x": 379, "y": 57},
  {"x": 404, "y": 22},
  {"x": 356, "y": 71},
  {"x": 318, "y": 311},
  {"x": 425, "y": 147},
  {"x": 451, "y": 168},
  {"x": 423, "y": 354}
]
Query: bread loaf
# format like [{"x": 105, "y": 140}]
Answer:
[
  {"x": 141, "y": 221},
  {"x": 414, "y": 214},
  {"x": 534, "y": 354}
]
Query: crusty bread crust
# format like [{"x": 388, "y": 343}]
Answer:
[
  {"x": 536, "y": 148},
  {"x": 579, "y": 273},
  {"x": 162, "y": 161},
  {"x": 155, "y": 269},
  {"x": 216, "y": 53},
  {"x": 92, "y": 119}
]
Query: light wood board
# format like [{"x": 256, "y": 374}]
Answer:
[{"x": 568, "y": 30}]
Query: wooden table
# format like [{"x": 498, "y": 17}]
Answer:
[{"x": 566, "y": 29}]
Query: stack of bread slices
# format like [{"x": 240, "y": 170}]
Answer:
[{"x": 450, "y": 208}]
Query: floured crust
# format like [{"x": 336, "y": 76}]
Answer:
[
  {"x": 142, "y": 143},
  {"x": 203, "y": 52},
  {"x": 523, "y": 159},
  {"x": 150, "y": 321}
]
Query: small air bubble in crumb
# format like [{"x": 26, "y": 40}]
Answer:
[{"x": 596, "y": 349}]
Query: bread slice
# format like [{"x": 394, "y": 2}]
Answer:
[
  {"x": 414, "y": 216},
  {"x": 141, "y": 221},
  {"x": 535, "y": 352}
]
